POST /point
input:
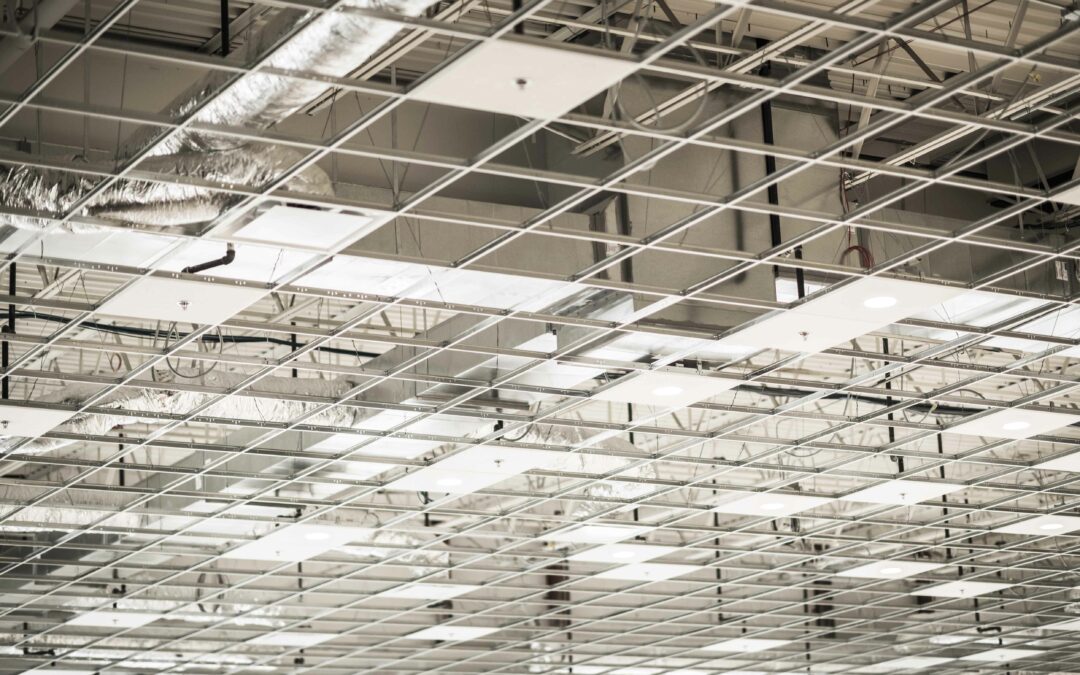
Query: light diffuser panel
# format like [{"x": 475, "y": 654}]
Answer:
[
  {"x": 291, "y": 639},
  {"x": 890, "y": 569},
  {"x": 181, "y": 300},
  {"x": 111, "y": 618},
  {"x": 451, "y": 633},
  {"x": 622, "y": 553},
  {"x": 596, "y": 534},
  {"x": 1016, "y": 423},
  {"x": 773, "y": 504},
  {"x": 961, "y": 589},
  {"x": 293, "y": 543},
  {"x": 648, "y": 572},
  {"x": 746, "y": 645},
  {"x": 1043, "y": 526},
  {"x": 902, "y": 492},
  {"x": 311, "y": 229},
  {"x": 666, "y": 389}
]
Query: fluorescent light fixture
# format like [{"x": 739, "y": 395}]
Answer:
[
  {"x": 596, "y": 534},
  {"x": 961, "y": 589},
  {"x": 889, "y": 569},
  {"x": 1003, "y": 655},
  {"x": 1070, "y": 462},
  {"x": 902, "y": 492},
  {"x": 30, "y": 422},
  {"x": 181, "y": 300},
  {"x": 294, "y": 543},
  {"x": 451, "y": 633},
  {"x": 110, "y": 618},
  {"x": 311, "y": 229},
  {"x": 829, "y": 319},
  {"x": 428, "y": 591},
  {"x": 648, "y": 572},
  {"x": 622, "y": 553},
  {"x": 474, "y": 469},
  {"x": 746, "y": 645},
  {"x": 524, "y": 79},
  {"x": 772, "y": 504},
  {"x": 907, "y": 663},
  {"x": 665, "y": 389},
  {"x": 291, "y": 639},
  {"x": 1015, "y": 423},
  {"x": 1043, "y": 526}
]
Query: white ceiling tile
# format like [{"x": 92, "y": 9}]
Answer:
[
  {"x": 181, "y": 300},
  {"x": 1016, "y": 423},
  {"x": 890, "y": 569},
  {"x": 596, "y": 534},
  {"x": 425, "y": 591},
  {"x": 1043, "y": 526},
  {"x": 1003, "y": 655},
  {"x": 648, "y": 572},
  {"x": 524, "y": 79},
  {"x": 28, "y": 421},
  {"x": 961, "y": 589},
  {"x": 666, "y": 389},
  {"x": 622, "y": 553},
  {"x": 293, "y": 543},
  {"x": 451, "y": 633},
  {"x": 313, "y": 229},
  {"x": 746, "y": 645},
  {"x": 766, "y": 504},
  {"x": 291, "y": 639},
  {"x": 110, "y": 618},
  {"x": 902, "y": 492}
]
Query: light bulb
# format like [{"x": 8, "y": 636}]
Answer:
[{"x": 880, "y": 302}]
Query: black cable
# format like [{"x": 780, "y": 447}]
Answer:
[{"x": 146, "y": 332}]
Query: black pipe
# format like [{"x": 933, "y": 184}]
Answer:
[
  {"x": 230, "y": 255},
  {"x": 5, "y": 355},
  {"x": 225, "y": 39},
  {"x": 519, "y": 27}
]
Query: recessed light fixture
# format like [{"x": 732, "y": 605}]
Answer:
[
  {"x": 181, "y": 300},
  {"x": 666, "y": 389},
  {"x": 880, "y": 302},
  {"x": 1017, "y": 423},
  {"x": 902, "y": 492},
  {"x": 294, "y": 543},
  {"x": 111, "y": 618},
  {"x": 1042, "y": 525},
  {"x": 616, "y": 553},
  {"x": 30, "y": 422},
  {"x": 961, "y": 589},
  {"x": 827, "y": 320},
  {"x": 523, "y": 79},
  {"x": 907, "y": 664},
  {"x": 1003, "y": 655},
  {"x": 648, "y": 572},
  {"x": 428, "y": 591},
  {"x": 451, "y": 633},
  {"x": 311, "y": 229},
  {"x": 774, "y": 504},
  {"x": 291, "y": 639},
  {"x": 892, "y": 569},
  {"x": 597, "y": 534},
  {"x": 746, "y": 645}
]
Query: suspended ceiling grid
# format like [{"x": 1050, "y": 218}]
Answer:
[{"x": 135, "y": 504}]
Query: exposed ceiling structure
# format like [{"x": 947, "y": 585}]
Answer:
[{"x": 627, "y": 338}]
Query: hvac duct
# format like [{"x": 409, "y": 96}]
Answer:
[{"x": 333, "y": 44}]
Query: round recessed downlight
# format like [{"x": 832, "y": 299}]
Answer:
[
  {"x": 880, "y": 302},
  {"x": 669, "y": 390},
  {"x": 1051, "y": 526},
  {"x": 449, "y": 481},
  {"x": 1018, "y": 425},
  {"x": 890, "y": 570},
  {"x": 622, "y": 554},
  {"x": 316, "y": 536},
  {"x": 772, "y": 506}
]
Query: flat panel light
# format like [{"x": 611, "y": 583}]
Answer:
[
  {"x": 666, "y": 389},
  {"x": 622, "y": 553},
  {"x": 773, "y": 504},
  {"x": 906, "y": 664},
  {"x": 839, "y": 316},
  {"x": 648, "y": 572},
  {"x": 1003, "y": 655},
  {"x": 428, "y": 591},
  {"x": 30, "y": 422},
  {"x": 1015, "y": 423},
  {"x": 1069, "y": 462},
  {"x": 889, "y": 569},
  {"x": 291, "y": 639},
  {"x": 308, "y": 228},
  {"x": 451, "y": 633},
  {"x": 181, "y": 300},
  {"x": 596, "y": 534},
  {"x": 1043, "y": 526},
  {"x": 961, "y": 589},
  {"x": 294, "y": 543},
  {"x": 109, "y": 618},
  {"x": 902, "y": 492},
  {"x": 746, "y": 645},
  {"x": 519, "y": 78}
]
